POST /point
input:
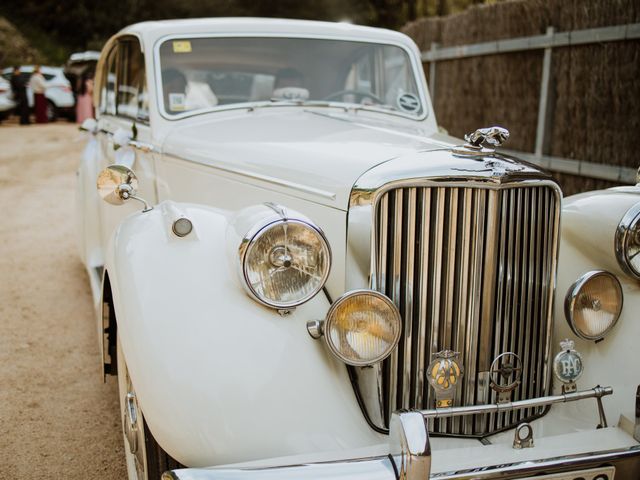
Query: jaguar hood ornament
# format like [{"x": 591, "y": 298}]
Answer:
[{"x": 493, "y": 136}]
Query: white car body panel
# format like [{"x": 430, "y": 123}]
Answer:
[
  {"x": 196, "y": 309},
  {"x": 6, "y": 100},
  {"x": 224, "y": 380},
  {"x": 589, "y": 224}
]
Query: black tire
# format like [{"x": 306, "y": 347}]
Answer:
[{"x": 158, "y": 461}]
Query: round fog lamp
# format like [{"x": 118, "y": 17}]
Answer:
[
  {"x": 593, "y": 304},
  {"x": 362, "y": 327}
]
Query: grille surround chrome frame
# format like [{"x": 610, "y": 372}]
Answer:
[{"x": 408, "y": 173}]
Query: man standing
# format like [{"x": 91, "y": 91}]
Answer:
[{"x": 19, "y": 87}]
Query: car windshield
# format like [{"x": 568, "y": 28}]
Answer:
[{"x": 205, "y": 73}]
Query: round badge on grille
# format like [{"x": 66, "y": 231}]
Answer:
[
  {"x": 443, "y": 373},
  {"x": 505, "y": 372},
  {"x": 567, "y": 365}
]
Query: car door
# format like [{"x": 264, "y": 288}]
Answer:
[{"x": 124, "y": 112}]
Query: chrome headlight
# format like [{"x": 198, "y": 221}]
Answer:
[
  {"x": 628, "y": 242},
  {"x": 362, "y": 327},
  {"x": 285, "y": 263},
  {"x": 593, "y": 304}
]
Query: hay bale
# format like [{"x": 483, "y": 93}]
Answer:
[{"x": 595, "y": 89}]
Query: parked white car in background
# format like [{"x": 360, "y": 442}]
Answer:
[
  {"x": 6, "y": 99},
  {"x": 60, "y": 100},
  {"x": 304, "y": 279}
]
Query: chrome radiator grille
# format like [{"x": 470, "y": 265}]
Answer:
[{"x": 471, "y": 270}]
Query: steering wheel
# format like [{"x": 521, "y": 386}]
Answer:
[{"x": 360, "y": 95}]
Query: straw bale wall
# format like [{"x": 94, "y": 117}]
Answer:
[{"x": 594, "y": 89}]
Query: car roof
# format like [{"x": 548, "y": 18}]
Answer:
[{"x": 153, "y": 30}]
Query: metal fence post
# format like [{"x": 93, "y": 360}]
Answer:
[
  {"x": 541, "y": 130},
  {"x": 432, "y": 72}
]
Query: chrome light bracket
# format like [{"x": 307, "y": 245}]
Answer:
[
  {"x": 443, "y": 374},
  {"x": 504, "y": 375},
  {"x": 568, "y": 366},
  {"x": 315, "y": 328},
  {"x": 523, "y": 436}
]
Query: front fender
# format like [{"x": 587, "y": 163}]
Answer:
[
  {"x": 589, "y": 222},
  {"x": 220, "y": 378}
]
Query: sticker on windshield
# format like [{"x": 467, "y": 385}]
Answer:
[
  {"x": 181, "y": 46},
  {"x": 408, "y": 102},
  {"x": 177, "y": 102}
]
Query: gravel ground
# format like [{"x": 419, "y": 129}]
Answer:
[{"x": 58, "y": 419}]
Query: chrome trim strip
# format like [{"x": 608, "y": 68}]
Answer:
[{"x": 375, "y": 468}]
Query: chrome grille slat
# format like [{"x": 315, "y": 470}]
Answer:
[
  {"x": 408, "y": 294},
  {"x": 396, "y": 292},
  {"x": 471, "y": 270},
  {"x": 420, "y": 382}
]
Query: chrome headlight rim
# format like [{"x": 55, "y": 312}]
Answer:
[
  {"x": 572, "y": 295},
  {"x": 629, "y": 223},
  {"x": 249, "y": 241},
  {"x": 336, "y": 304}
]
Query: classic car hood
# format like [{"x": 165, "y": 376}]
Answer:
[{"x": 317, "y": 155}]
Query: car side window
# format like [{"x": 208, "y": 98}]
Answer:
[
  {"x": 107, "y": 94},
  {"x": 132, "y": 98}
]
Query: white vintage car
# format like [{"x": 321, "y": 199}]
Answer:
[{"x": 303, "y": 279}]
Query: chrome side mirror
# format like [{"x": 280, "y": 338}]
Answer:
[{"x": 118, "y": 183}]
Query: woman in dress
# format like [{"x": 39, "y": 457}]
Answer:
[
  {"x": 84, "y": 106},
  {"x": 38, "y": 85}
]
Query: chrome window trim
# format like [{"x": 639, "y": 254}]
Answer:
[
  {"x": 630, "y": 218},
  {"x": 417, "y": 67},
  {"x": 417, "y": 172},
  {"x": 570, "y": 301}
]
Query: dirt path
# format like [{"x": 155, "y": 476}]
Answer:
[{"x": 58, "y": 420}]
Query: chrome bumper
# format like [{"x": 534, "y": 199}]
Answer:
[
  {"x": 409, "y": 458},
  {"x": 409, "y": 455}
]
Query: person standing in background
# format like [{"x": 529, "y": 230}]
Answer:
[
  {"x": 84, "y": 103},
  {"x": 19, "y": 88},
  {"x": 38, "y": 85}
]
